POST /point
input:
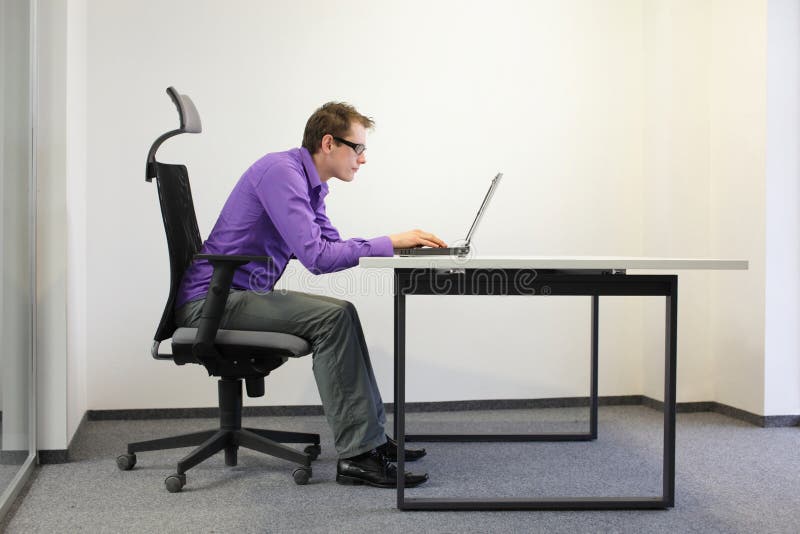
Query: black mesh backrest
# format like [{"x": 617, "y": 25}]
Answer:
[{"x": 183, "y": 236}]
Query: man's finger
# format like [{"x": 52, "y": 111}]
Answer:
[
  {"x": 438, "y": 241},
  {"x": 433, "y": 239}
]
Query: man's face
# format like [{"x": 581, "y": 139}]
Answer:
[{"x": 344, "y": 160}]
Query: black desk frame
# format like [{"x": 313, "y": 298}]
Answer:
[{"x": 497, "y": 281}]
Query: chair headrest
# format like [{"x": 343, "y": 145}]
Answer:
[
  {"x": 190, "y": 119},
  {"x": 189, "y": 123}
]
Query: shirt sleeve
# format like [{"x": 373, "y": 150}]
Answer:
[
  {"x": 283, "y": 192},
  {"x": 326, "y": 227}
]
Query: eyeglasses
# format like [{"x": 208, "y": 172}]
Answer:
[{"x": 358, "y": 148}]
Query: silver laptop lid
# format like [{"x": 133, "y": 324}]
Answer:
[{"x": 486, "y": 199}]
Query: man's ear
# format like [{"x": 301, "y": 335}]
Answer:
[{"x": 327, "y": 143}]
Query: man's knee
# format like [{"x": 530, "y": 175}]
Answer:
[
  {"x": 336, "y": 318},
  {"x": 344, "y": 311},
  {"x": 350, "y": 307}
]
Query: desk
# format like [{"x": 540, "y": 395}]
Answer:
[{"x": 530, "y": 275}]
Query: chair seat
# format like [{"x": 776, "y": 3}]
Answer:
[{"x": 252, "y": 342}]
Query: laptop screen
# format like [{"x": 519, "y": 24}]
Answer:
[{"x": 486, "y": 199}]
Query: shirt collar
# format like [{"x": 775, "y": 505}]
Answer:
[{"x": 311, "y": 171}]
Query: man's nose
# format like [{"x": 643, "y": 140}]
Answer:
[{"x": 362, "y": 159}]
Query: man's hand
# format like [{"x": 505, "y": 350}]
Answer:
[{"x": 416, "y": 238}]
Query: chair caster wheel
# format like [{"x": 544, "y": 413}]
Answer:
[
  {"x": 301, "y": 475},
  {"x": 175, "y": 483},
  {"x": 125, "y": 462},
  {"x": 313, "y": 451}
]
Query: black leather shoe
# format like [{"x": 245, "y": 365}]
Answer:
[
  {"x": 389, "y": 449},
  {"x": 373, "y": 469}
]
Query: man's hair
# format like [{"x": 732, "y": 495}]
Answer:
[{"x": 333, "y": 118}]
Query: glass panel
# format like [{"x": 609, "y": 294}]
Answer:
[{"x": 16, "y": 323}]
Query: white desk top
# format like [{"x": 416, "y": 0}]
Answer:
[{"x": 550, "y": 262}]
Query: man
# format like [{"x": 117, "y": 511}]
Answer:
[{"x": 277, "y": 209}]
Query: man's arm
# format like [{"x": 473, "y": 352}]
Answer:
[
  {"x": 283, "y": 192},
  {"x": 326, "y": 227}
]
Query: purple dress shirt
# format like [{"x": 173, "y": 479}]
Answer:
[{"x": 277, "y": 209}]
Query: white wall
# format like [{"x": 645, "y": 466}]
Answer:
[
  {"x": 76, "y": 213},
  {"x": 737, "y": 89},
  {"x": 624, "y": 128},
  {"x": 676, "y": 182},
  {"x": 782, "y": 344},
  {"x": 704, "y": 178},
  {"x": 548, "y": 93},
  {"x": 51, "y": 234}
]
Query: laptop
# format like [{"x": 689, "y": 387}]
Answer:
[{"x": 455, "y": 251}]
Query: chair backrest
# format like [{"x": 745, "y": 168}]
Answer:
[
  {"x": 177, "y": 210},
  {"x": 183, "y": 236}
]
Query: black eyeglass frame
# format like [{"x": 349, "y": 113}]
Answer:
[{"x": 357, "y": 147}]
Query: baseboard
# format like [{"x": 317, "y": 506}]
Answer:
[
  {"x": 452, "y": 406},
  {"x": 53, "y": 456},
  {"x": 765, "y": 421},
  {"x": 62, "y": 456}
]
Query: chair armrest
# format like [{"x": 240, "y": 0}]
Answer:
[
  {"x": 211, "y": 316},
  {"x": 231, "y": 258}
]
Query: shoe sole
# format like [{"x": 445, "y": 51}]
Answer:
[
  {"x": 353, "y": 481},
  {"x": 394, "y": 460}
]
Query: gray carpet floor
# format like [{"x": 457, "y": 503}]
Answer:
[
  {"x": 730, "y": 477},
  {"x": 7, "y": 473},
  {"x": 9, "y": 466}
]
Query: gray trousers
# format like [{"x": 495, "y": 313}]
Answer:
[{"x": 341, "y": 364}]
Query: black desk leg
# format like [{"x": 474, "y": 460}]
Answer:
[
  {"x": 593, "y": 385},
  {"x": 670, "y": 378},
  {"x": 400, "y": 387},
  {"x": 639, "y": 285}
]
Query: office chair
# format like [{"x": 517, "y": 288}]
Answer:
[{"x": 232, "y": 355}]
